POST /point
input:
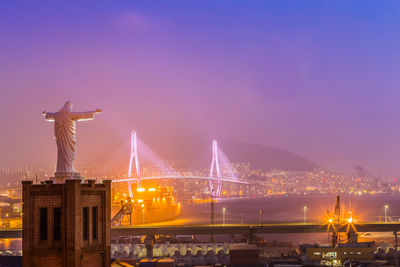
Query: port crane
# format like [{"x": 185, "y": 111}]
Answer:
[
  {"x": 338, "y": 220},
  {"x": 127, "y": 205}
]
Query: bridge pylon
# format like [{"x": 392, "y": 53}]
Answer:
[
  {"x": 134, "y": 155},
  {"x": 215, "y": 164}
]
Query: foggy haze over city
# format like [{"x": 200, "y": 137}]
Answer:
[
  {"x": 320, "y": 81},
  {"x": 199, "y": 133}
]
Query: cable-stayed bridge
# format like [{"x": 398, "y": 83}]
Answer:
[
  {"x": 221, "y": 169},
  {"x": 134, "y": 180}
]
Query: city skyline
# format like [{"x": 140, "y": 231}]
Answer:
[
  {"x": 222, "y": 133},
  {"x": 318, "y": 80}
]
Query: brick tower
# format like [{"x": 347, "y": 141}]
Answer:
[{"x": 66, "y": 223}]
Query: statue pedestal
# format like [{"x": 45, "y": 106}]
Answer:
[
  {"x": 61, "y": 177},
  {"x": 66, "y": 224}
]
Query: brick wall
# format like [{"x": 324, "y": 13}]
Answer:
[{"x": 71, "y": 197}]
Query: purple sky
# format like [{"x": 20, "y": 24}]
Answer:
[{"x": 319, "y": 78}]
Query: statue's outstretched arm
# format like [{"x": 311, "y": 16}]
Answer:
[
  {"x": 49, "y": 116},
  {"x": 83, "y": 116}
]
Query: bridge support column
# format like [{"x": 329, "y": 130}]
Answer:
[
  {"x": 149, "y": 241},
  {"x": 212, "y": 206},
  {"x": 396, "y": 259},
  {"x": 231, "y": 238},
  {"x": 251, "y": 239}
]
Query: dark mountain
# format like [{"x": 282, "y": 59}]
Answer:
[
  {"x": 197, "y": 155},
  {"x": 266, "y": 158}
]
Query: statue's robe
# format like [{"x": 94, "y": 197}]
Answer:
[{"x": 65, "y": 135}]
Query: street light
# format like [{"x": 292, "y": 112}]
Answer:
[
  {"x": 212, "y": 206},
  {"x": 223, "y": 215},
  {"x": 305, "y": 214},
  {"x": 350, "y": 219},
  {"x": 386, "y": 209}
]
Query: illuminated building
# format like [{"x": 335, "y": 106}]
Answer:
[{"x": 338, "y": 255}]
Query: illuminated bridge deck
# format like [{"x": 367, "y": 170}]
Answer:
[
  {"x": 177, "y": 177},
  {"x": 215, "y": 229},
  {"x": 246, "y": 228}
]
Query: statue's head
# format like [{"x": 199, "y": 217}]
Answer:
[{"x": 67, "y": 106}]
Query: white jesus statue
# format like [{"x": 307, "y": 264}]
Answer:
[{"x": 64, "y": 133}]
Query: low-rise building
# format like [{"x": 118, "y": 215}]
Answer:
[{"x": 339, "y": 255}]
